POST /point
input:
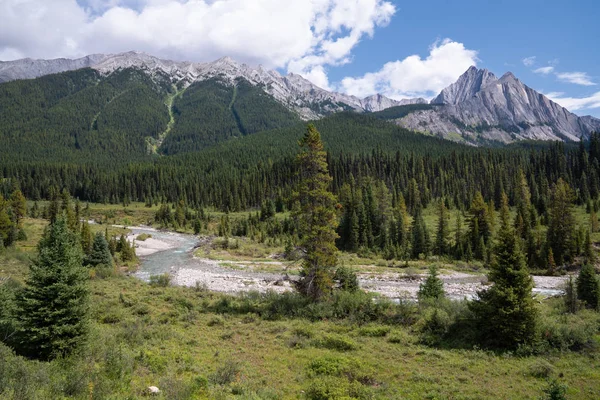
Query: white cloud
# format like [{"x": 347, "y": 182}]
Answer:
[
  {"x": 415, "y": 76},
  {"x": 303, "y": 36},
  {"x": 529, "y": 61},
  {"x": 574, "y": 103},
  {"x": 578, "y": 78},
  {"x": 544, "y": 70}
]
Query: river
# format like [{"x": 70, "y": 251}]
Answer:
[{"x": 172, "y": 253}]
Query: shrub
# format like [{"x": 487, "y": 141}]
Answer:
[
  {"x": 226, "y": 373},
  {"x": 400, "y": 336},
  {"x": 163, "y": 280},
  {"x": 435, "y": 325},
  {"x": 331, "y": 387},
  {"x": 143, "y": 236},
  {"x": 217, "y": 320},
  {"x": 347, "y": 279},
  {"x": 541, "y": 369},
  {"x": 350, "y": 368},
  {"x": 374, "y": 331},
  {"x": 555, "y": 391},
  {"x": 336, "y": 342},
  {"x": 570, "y": 331}
]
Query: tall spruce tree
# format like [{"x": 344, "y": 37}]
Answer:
[
  {"x": 316, "y": 217},
  {"x": 420, "y": 236},
  {"x": 505, "y": 314},
  {"x": 480, "y": 229},
  {"x": 53, "y": 307},
  {"x": 441, "y": 247},
  {"x": 561, "y": 225},
  {"x": 100, "y": 253},
  {"x": 588, "y": 287}
]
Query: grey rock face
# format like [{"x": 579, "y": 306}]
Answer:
[
  {"x": 29, "y": 69},
  {"x": 295, "y": 92},
  {"x": 480, "y": 106},
  {"x": 469, "y": 83}
]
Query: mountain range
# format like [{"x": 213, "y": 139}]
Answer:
[{"x": 478, "y": 108}]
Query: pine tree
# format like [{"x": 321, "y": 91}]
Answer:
[
  {"x": 459, "y": 250},
  {"x": 441, "y": 238},
  {"x": 420, "y": 236},
  {"x": 197, "y": 226},
  {"x": 53, "y": 307},
  {"x": 588, "y": 249},
  {"x": 479, "y": 225},
  {"x": 86, "y": 238},
  {"x": 571, "y": 302},
  {"x": 353, "y": 232},
  {"x": 588, "y": 287},
  {"x": 316, "y": 218},
  {"x": 505, "y": 313},
  {"x": 100, "y": 253},
  {"x": 551, "y": 268},
  {"x": 19, "y": 207},
  {"x": 433, "y": 287},
  {"x": 561, "y": 226},
  {"x": 6, "y": 225}
]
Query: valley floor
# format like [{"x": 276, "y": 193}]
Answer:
[{"x": 195, "y": 343}]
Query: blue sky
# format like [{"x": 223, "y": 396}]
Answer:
[
  {"x": 399, "y": 48},
  {"x": 560, "y": 34}
]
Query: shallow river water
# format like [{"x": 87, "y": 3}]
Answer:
[{"x": 186, "y": 270}]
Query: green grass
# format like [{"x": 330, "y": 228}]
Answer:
[
  {"x": 167, "y": 337},
  {"x": 200, "y": 345}
]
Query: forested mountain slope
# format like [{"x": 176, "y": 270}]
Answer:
[{"x": 83, "y": 115}]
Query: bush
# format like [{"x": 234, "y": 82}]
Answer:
[
  {"x": 350, "y": 368},
  {"x": 142, "y": 237},
  {"x": 374, "y": 331},
  {"x": 555, "y": 391},
  {"x": 569, "y": 331},
  {"x": 163, "y": 280},
  {"x": 434, "y": 326},
  {"x": 541, "y": 369},
  {"x": 216, "y": 321},
  {"x": 331, "y": 387},
  {"x": 336, "y": 342},
  {"x": 400, "y": 337},
  {"x": 347, "y": 279},
  {"x": 226, "y": 373}
]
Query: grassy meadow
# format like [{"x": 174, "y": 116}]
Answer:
[{"x": 195, "y": 344}]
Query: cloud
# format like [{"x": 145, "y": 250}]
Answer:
[
  {"x": 578, "y": 78},
  {"x": 415, "y": 76},
  {"x": 544, "y": 70},
  {"x": 574, "y": 103},
  {"x": 529, "y": 61},
  {"x": 303, "y": 36}
]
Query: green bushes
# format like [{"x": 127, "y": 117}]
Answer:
[
  {"x": 374, "y": 331},
  {"x": 163, "y": 280},
  {"x": 339, "y": 377},
  {"x": 226, "y": 373},
  {"x": 336, "y": 342}
]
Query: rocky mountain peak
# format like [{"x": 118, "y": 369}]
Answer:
[
  {"x": 467, "y": 85},
  {"x": 508, "y": 77},
  {"x": 478, "y": 106}
]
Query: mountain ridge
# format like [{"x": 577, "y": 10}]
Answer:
[
  {"x": 477, "y": 108},
  {"x": 308, "y": 100}
]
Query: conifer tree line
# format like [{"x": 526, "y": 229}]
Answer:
[{"x": 215, "y": 178}]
